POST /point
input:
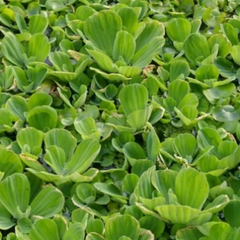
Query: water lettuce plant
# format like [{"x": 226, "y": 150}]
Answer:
[{"x": 119, "y": 120}]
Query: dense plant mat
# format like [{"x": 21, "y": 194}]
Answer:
[{"x": 119, "y": 120}]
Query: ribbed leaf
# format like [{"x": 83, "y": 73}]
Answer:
[
  {"x": 6, "y": 221},
  {"x": 18, "y": 106},
  {"x": 12, "y": 50},
  {"x": 196, "y": 48},
  {"x": 36, "y": 42},
  {"x": 84, "y": 155},
  {"x": 43, "y": 118},
  {"x": 185, "y": 145},
  {"x": 62, "y": 139},
  {"x": 153, "y": 145},
  {"x": 55, "y": 158},
  {"x": 164, "y": 180},
  {"x": 9, "y": 163},
  {"x": 145, "y": 54},
  {"x": 179, "y": 68},
  {"x": 15, "y": 193},
  {"x": 103, "y": 60},
  {"x": 188, "y": 192},
  {"x": 114, "y": 227},
  {"x": 37, "y": 24},
  {"x": 133, "y": 97},
  {"x": 177, "y": 214},
  {"x": 126, "y": 50},
  {"x": 152, "y": 30},
  {"x": 100, "y": 32},
  {"x": 189, "y": 234},
  {"x": 75, "y": 232},
  {"x": 178, "y": 89},
  {"x": 47, "y": 203},
  {"x": 129, "y": 19},
  {"x": 44, "y": 229},
  {"x": 178, "y": 29},
  {"x": 30, "y": 137},
  {"x": 224, "y": 46}
]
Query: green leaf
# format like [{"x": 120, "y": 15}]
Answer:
[
  {"x": 178, "y": 89},
  {"x": 129, "y": 183},
  {"x": 226, "y": 113},
  {"x": 224, "y": 46},
  {"x": 113, "y": 77},
  {"x": 30, "y": 138},
  {"x": 178, "y": 29},
  {"x": 230, "y": 161},
  {"x": 220, "y": 92},
  {"x": 55, "y": 157},
  {"x": 153, "y": 30},
  {"x": 225, "y": 67},
  {"x": 217, "y": 205},
  {"x": 177, "y": 214},
  {"x": 20, "y": 22},
  {"x": 129, "y": 19},
  {"x": 209, "y": 137},
  {"x": 153, "y": 224},
  {"x": 6, "y": 221},
  {"x": 86, "y": 193},
  {"x": 196, "y": 48},
  {"x": 61, "y": 61},
  {"x": 144, "y": 55},
  {"x": 95, "y": 226},
  {"x": 139, "y": 118},
  {"x": 18, "y": 106},
  {"x": 189, "y": 234},
  {"x": 153, "y": 145},
  {"x": 231, "y": 213},
  {"x": 235, "y": 54},
  {"x": 133, "y": 151},
  {"x": 207, "y": 163},
  {"x": 94, "y": 236},
  {"x": 179, "y": 69},
  {"x": 10, "y": 163},
  {"x": 187, "y": 192},
  {"x": 38, "y": 24},
  {"x": 109, "y": 189},
  {"x": 84, "y": 155},
  {"x": 63, "y": 139},
  {"x": 24, "y": 224},
  {"x": 15, "y": 193},
  {"x": 133, "y": 97},
  {"x": 146, "y": 235},
  {"x": 39, "y": 99},
  {"x": 103, "y": 60},
  {"x": 43, "y": 118},
  {"x": 44, "y": 229},
  {"x": 185, "y": 145},
  {"x": 87, "y": 128},
  {"x": 84, "y": 12},
  {"x": 36, "y": 42},
  {"x": 124, "y": 51},
  {"x": 75, "y": 232},
  {"x": 12, "y": 50},
  {"x": 47, "y": 203},
  {"x": 190, "y": 100},
  {"x": 141, "y": 165},
  {"x": 230, "y": 33},
  {"x": 100, "y": 33},
  {"x": 164, "y": 180},
  {"x": 206, "y": 72},
  {"x": 114, "y": 229},
  {"x": 145, "y": 188}
]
